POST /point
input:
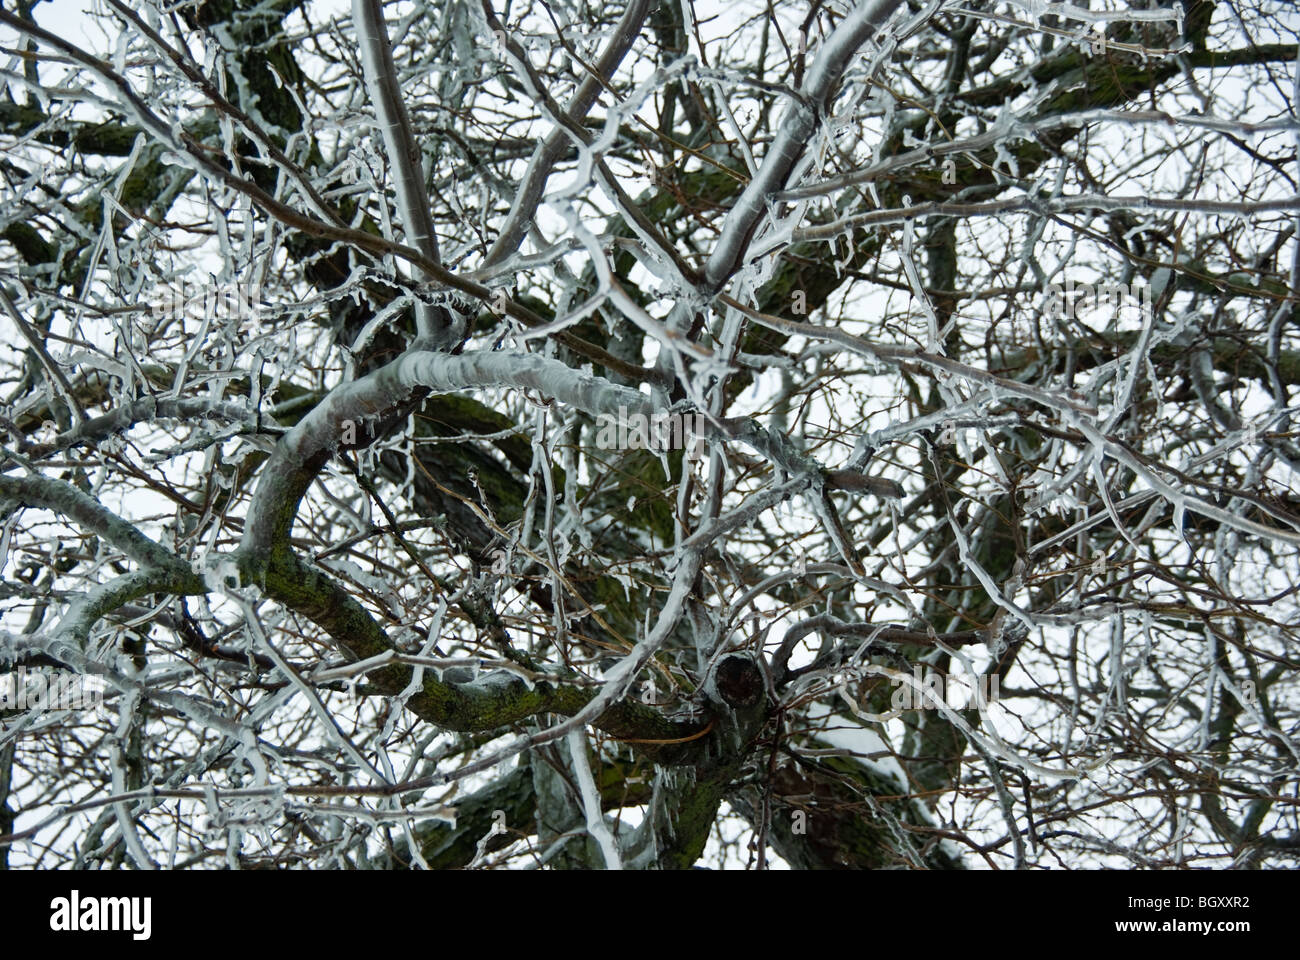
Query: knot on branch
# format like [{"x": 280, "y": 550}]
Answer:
[{"x": 739, "y": 682}]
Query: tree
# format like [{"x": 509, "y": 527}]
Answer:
[{"x": 592, "y": 435}]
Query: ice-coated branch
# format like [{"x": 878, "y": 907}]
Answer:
[
  {"x": 254, "y": 129},
  {"x": 589, "y": 151},
  {"x": 796, "y": 130},
  {"x": 492, "y": 700},
  {"x": 1180, "y": 499},
  {"x": 58, "y": 382},
  {"x": 609, "y": 699},
  {"x": 548, "y": 152},
  {"x": 1047, "y": 398},
  {"x": 193, "y": 153},
  {"x": 403, "y": 153},
  {"x": 1044, "y": 206},
  {"x": 65, "y": 499},
  {"x": 925, "y": 154},
  {"x": 143, "y": 410},
  {"x": 1038, "y": 8},
  {"x": 987, "y": 736},
  {"x": 596, "y": 826},
  {"x": 361, "y": 404}
]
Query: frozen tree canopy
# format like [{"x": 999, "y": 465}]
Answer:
[{"x": 641, "y": 435}]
